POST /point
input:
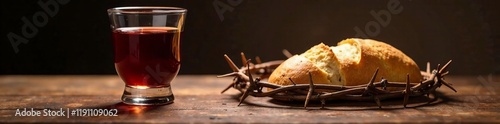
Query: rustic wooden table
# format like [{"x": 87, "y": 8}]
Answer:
[{"x": 198, "y": 99}]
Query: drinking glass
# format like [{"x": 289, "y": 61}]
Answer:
[{"x": 147, "y": 51}]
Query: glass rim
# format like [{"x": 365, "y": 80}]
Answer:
[{"x": 144, "y": 10}]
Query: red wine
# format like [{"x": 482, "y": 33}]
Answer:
[{"x": 147, "y": 56}]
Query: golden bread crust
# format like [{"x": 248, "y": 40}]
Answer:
[
  {"x": 297, "y": 68},
  {"x": 354, "y": 67},
  {"x": 392, "y": 63}
]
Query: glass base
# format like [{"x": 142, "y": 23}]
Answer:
[{"x": 147, "y": 96}]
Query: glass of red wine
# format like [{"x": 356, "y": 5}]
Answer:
[{"x": 147, "y": 51}]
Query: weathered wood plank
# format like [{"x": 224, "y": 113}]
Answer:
[{"x": 198, "y": 99}]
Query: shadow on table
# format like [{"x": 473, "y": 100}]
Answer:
[{"x": 345, "y": 105}]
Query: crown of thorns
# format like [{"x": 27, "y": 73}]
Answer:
[{"x": 245, "y": 82}]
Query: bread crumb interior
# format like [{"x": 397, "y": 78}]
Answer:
[{"x": 324, "y": 60}]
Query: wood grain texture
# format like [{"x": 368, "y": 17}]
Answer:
[{"x": 198, "y": 99}]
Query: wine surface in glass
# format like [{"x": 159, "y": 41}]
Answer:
[{"x": 147, "y": 56}]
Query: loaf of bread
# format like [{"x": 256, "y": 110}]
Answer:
[{"x": 352, "y": 62}]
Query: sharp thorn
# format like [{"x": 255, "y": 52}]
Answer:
[
  {"x": 311, "y": 90},
  {"x": 257, "y": 59},
  {"x": 373, "y": 77},
  {"x": 252, "y": 82},
  {"x": 245, "y": 95},
  {"x": 438, "y": 68},
  {"x": 231, "y": 63},
  {"x": 407, "y": 91},
  {"x": 251, "y": 87},
  {"x": 449, "y": 86},
  {"x": 228, "y": 74},
  {"x": 287, "y": 53},
  {"x": 428, "y": 69},
  {"x": 445, "y": 73},
  {"x": 243, "y": 58},
  {"x": 227, "y": 88},
  {"x": 444, "y": 67},
  {"x": 370, "y": 84},
  {"x": 293, "y": 82}
]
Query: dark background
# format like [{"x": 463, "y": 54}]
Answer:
[{"x": 77, "y": 40}]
